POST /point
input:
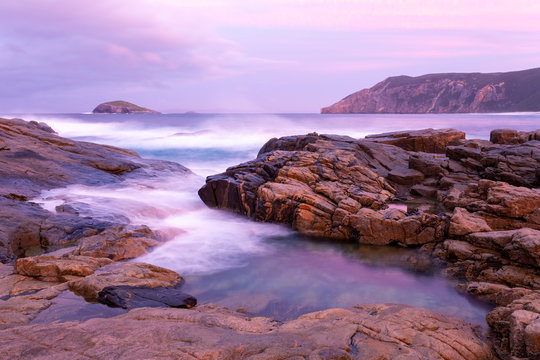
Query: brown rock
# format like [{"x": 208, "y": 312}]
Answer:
[
  {"x": 405, "y": 176},
  {"x": 58, "y": 269},
  {"x": 517, "y": 325},
  {"x": 503, "y": 136},
  {"x": 118, "y": 243},
  {"x": 210, "y": 332},
  {"x": 130, "y": 274},
  {"x": 427, "y": 140},
  {"x": 462, "y": 223}
]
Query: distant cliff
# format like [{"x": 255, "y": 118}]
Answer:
[
  {"x": 447, "y": 93},
  {"x": 121, "y": 107}
]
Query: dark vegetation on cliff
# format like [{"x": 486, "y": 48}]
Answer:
[{"x": 447, "y": 93}]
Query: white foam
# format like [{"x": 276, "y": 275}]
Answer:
[{"x": 202, "y": 240}]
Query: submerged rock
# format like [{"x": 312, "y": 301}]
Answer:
[
  {"x": 129, "y": 297},
  {"x": 361, "y": 332}
]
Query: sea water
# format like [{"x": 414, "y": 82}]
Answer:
[{"x": 260, "y": 269}]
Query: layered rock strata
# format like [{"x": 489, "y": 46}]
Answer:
[{"x": 476, "y": 207}]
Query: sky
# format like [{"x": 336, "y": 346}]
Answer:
[{"x": 256, "y": 56}]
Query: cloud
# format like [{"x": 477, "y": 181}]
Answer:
[{"x": 65, "y": 43}]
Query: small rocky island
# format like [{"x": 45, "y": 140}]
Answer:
[
  {"x": 121, "y": 107},
  {"x": 446, "y": 93}
]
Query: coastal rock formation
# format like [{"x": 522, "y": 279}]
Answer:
[
  {"x": 338, "y": 187},
  {"x": 211, "y": 332},
  {"x": 34, "y": 159},
  {"x": 428, "y": 140},
  {"x": 474, "y": 204},
  {"x": 447, "y": 93},
  {"x": 121, "y": 107},
  {"x": 327, "y": 186}
]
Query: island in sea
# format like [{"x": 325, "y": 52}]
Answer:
[
  {"x": 514, "y": 91},
  {"x": 122, "y": 107}
]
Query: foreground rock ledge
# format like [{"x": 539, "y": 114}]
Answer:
[{"x": 383, "y": 331}]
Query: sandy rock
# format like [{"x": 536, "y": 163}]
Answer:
[
  {"x": 118, "y": 243},
  {"x": 362, "y": 332},
  {"x": 128, "y": 274},
  {"x": 58, "y": 269},
  {"x": 462, "y": 223}
]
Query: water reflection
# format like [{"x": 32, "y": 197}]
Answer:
[{"x": 302, "y": 276}]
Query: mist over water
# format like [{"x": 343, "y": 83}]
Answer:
[{"x": 263, "y": 269}]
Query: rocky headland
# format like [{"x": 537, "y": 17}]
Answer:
[
  {"x": 471, "y": 206},
  {"x": 446, "y": 93},
  {"x": 46, "y": 255},
  {"x": 121, "y": 107}
]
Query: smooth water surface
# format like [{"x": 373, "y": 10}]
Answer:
[{"x": 262, "y": 269}]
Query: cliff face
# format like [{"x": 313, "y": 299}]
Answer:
[
  {"x": 447, "y": 93},
  {"x": 121, "y": 107}
]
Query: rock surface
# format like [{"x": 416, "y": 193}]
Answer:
[
  {"x": 447, "y": 93},
  {"x": 34, "y": 159},
  {"x": 121, "y": 107},
  {"x": 210, "y": 332},
  {"x": 428, "y": 140},
  {"x": 478, "y": 211}
]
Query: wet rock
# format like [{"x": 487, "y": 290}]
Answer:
[
  {"x": 361, "y": 332},
  {"x": 129, "y": 297},
  {"x": 58, "y": 269},
  {"x": 34, "y": 159},
  {"x": 125, "y": 274},
  {"x": 426, "y": 140}
]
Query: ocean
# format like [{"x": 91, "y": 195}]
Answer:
[{"x": 260, "y": 269}]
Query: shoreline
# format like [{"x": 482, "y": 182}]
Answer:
[{"x": 148, "y": 237}]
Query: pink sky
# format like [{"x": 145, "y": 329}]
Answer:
[{"x": 246, "y": 56}]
